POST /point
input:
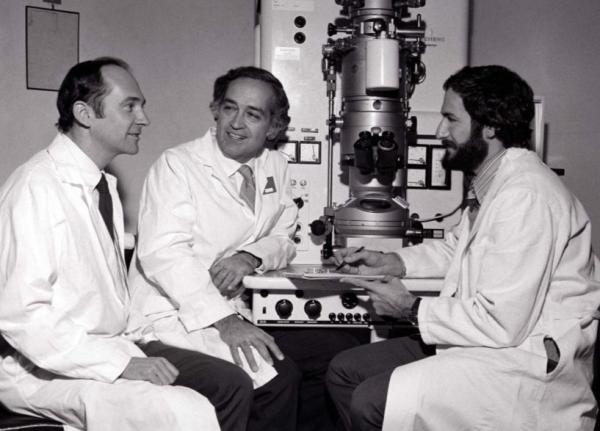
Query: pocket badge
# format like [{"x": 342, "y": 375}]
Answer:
[{"x": 270, "y": 186}]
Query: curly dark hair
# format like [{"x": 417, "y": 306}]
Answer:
[
  {"x": 84, "y": 82},
  {"x": 497, "y": 97},
  {"x": 279, "y": 111}
]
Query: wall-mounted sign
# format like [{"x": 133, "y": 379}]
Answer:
[{"x": 52, "y": 46}]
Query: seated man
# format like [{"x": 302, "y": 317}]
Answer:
[
  {"x": 212, "y": 211},
  {"x": 512, "y": 326},
  {"x": 63, "y": 287}
]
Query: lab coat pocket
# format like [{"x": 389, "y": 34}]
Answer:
[
  {"x": 552, "y": 354},
  {"x": 569, "y": 348}
]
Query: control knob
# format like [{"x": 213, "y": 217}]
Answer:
[
  {"x": 283, "y": 307},
  {"x": 313, "y": 308},
  {"x": 318, "y": 227}
]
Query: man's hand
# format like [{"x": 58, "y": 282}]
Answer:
[
  {"x": 369, "y": 262},
  {"x": 227, "y": 273},
  {"x": 389, "y": 298},
  {"x": 154, "y": 370},
  {"x": 240, "y": 334}
]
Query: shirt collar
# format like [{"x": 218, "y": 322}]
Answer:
[
  {"x": 229, "y": 166},
  {"x": 75, "y": 165},
  {"x": 483, "y": 180}
]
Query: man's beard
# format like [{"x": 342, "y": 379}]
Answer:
[{"x": 468, "y": 156}]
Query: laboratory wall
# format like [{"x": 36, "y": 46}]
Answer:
[
  {"x": 178, "y": 47},
  {"x": 555, "y": 46},
  {"x": 176, "y": 50}
]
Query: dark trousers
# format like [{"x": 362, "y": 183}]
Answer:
[
  {"x": 312, "y": 350},
  {"x": 272, "y": 407},
  {"x": 358, "y": 379}
]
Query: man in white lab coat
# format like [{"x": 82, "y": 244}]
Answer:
[
  {"x": 512, "y": 325},
  {"x": 212, "y": 211},
  {"x": 63, "y": 288}
]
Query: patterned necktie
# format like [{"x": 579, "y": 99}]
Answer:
[
  {"x": 473, "y": 204},
  {"x": 105, "y": 205},
  {"x": 248, "y": 189}
]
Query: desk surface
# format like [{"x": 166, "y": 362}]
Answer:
[{"x": 315, "y": 277}]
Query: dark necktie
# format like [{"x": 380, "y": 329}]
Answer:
[
  {"x": 248, "y": 189},
  {"x": 473, "y": 204},
  {"x": 105, "y": 205}
]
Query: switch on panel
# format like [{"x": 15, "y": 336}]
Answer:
[{"x": 300, "y": 195}]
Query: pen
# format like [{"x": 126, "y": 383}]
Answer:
[{"x": 341, "y": 265}]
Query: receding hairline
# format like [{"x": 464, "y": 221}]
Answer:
[{"x": 110, "y": 81}]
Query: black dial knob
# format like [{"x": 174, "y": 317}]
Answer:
[
  {"x": 318, "y": 228},
  {"x": 313, "y": 308},
  {"x": 299, "y": 21},
  {"x": 349, "y": 299},
  {"x": 284, "y": 308},
  {"x": 300, "y": 37}
]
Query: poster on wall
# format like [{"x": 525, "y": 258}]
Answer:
[{"x": 52, "y": 46}]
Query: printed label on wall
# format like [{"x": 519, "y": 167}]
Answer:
[
  {"x": 287, "y": 53},
  {"x": 294, "y": 5}
]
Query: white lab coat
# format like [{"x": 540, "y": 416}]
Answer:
[
  {"x": 64, "y": 306},
  {"x": 190, "y": 216},
  {"x": 523, "y": 271}
]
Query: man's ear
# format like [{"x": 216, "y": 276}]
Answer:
[
  {"x": 489, "y": 132},
  {"x": 83, "y": 113},
  {"x": 214, "y": 109},
  {"x": 273, "y": 132}
]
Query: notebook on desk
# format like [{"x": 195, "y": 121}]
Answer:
[{"x": 325, "y": 273}]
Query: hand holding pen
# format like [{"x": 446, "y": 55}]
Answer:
[
  {"x": 368, "y": 262},
  {"x": 343, "y": 263}
]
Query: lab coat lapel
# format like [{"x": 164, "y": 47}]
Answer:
[
  {"x": 453, "y": 279},
  {"x": 79, "y": 186},
  {"x": 261, "y": 183},
  {"x": 219, "y": 174},
  {"x": 117, "y": 209},
  {"x": 497, "y": 181},
  {"x": 464, "y": 246},
  {"x": 205, "y": 148}
]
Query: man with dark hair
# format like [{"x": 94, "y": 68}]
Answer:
[
  {"x": 84, "y": 82},
  {"x": 212, "y": 211},
  {"x": 512, "y": 328},
  {"x": 280, "y": 105},
  {"x": 64, "y": 299}
]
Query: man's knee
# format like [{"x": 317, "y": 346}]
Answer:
[
  {"x": 230, "y": 385},
  {"x": 368, "y": 404},
  {"x": 234, "y": 380},
  {"x": 289, "y": 375},
  {"x": 340, "y": 369}
]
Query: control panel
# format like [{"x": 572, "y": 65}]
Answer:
[
  {"x": 313, "y": 307},
  {"x": 305, "y": 295}
]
